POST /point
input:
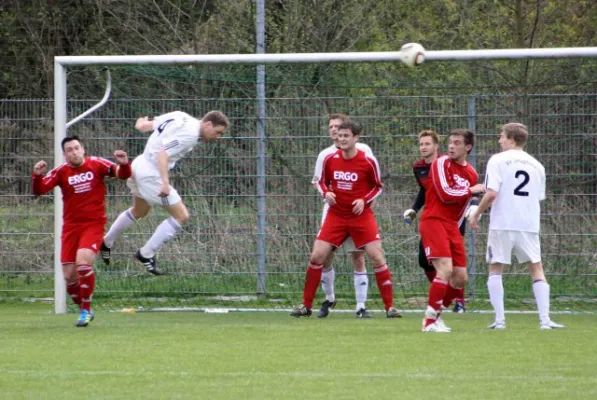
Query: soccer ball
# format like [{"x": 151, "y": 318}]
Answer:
[{"x": 412, "y": 54}]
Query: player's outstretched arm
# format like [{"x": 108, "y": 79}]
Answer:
[
  {"x": 486, "y": 201},
  {"x": 40, "y": 184},
  {"x": 144, "y": 124}
]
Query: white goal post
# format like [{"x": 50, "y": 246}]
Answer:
[{"x": 61, "y": 63}]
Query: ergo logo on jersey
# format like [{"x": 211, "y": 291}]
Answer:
[
  {"x": 461, "y": 181},
  {"x": 345, "y": 176},
  {"x": 81, "y": 178}
]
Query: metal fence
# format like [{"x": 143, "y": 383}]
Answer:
[{"x": 214, "y": 260}]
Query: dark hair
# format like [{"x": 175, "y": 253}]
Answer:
[
  {"x": 342, "y": 117},
  {"x": 516, "y": 131},
  {"x": 355, "y": 128},
  {"x": 70, "y": 139},
  {"x": 217, "y": 118},
  {"x": 467, "y": 136}
]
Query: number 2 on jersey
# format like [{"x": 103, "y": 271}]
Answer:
[
  {"x": 525, "y": 180},
  {"x": 163, "y": 125}
]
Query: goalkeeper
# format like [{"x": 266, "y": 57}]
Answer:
[{"x": 429, "y": 150}]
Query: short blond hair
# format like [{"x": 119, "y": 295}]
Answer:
[
  {"x": 341, "y": 117},
  {"x": 429, "y": 133},
  {"x": 516, "y": 131}
]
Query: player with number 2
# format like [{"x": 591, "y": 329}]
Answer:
[{"x": 515, "y": 183}]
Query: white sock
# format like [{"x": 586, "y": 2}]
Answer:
[
  {"x": 541, "y": 291},
  {"x": 361, "y": 285},
  {"x": 496, "y": 296},
  {"x": 328, "y": 276},
  {"x": 124, "y": 220},
  {"x": 164, "y": 233}
]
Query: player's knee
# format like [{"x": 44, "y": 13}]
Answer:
[
  {"x": 139, "y": 212},
  {"x": 317, "y": 258},
  {"x": 85, "y": 260},
  {"x": 377, "y": 259},
  {"x": 183, "y": 217}
]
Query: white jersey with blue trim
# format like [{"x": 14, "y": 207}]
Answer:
[{"x": 177, "y": 133}]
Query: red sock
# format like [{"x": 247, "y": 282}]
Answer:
[
  {"x": 384, "y": 284},
  {"x": 451, "y": 294},
  {"x": 460, "y": 295},
  {"x": 74, "y": 291},
  {"x": 87, "y": 284},
  {"x": 312, "y": 281},
  {"x": 437, "y": 292},
  {"x": 431, "y": 275}
]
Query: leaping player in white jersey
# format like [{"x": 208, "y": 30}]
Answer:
[
  {"x": 515, "y": 183},
  {"x": 361, "y": 282},
  {"x": 174, "y": 135}
]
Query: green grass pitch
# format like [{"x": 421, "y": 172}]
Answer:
[{"x": 269, "y": 355}]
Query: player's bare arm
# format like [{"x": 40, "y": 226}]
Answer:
[
  {"x": 485, "y": 203},
  {"x": 479, "y": 188},
  {"x": 162, "y": 161},
  {"x": 144, "y": 124},
  {"x": 40, "y": 168}
]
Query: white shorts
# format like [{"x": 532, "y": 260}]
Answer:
[
  {"x": 348, "y": 243},
  {"x": 146, "y": 185},
  {"x": 501, "y": 245}
]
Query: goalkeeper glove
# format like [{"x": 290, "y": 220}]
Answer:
[
  {"x": 410, "y": 215},
  {"x": 470, "y": 212}
]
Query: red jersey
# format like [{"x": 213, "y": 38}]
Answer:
[
  {"x": 83, "y": 188},
  {"x": 448, "y": 194},
  {"x": 353, "y": 179}
]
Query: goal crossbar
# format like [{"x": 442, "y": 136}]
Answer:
[{"x": 378, "y": 56}]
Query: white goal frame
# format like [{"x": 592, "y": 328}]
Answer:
[{"x": 61, "y": 64}]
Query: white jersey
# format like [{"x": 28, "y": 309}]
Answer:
[
  {"x": 519, "y": 180},
  {"x": 177, "y": 132},
  {"x": 332, "y": 149}
]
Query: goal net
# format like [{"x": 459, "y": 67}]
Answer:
[{"x": 217, "y": 262}]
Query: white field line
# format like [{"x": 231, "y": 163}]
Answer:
[{"x": 297, "y": 374}]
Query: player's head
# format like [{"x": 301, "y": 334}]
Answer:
[
  {"x": 74, "y": 152},
  {"x": 213, "y": 125},
  {"x": 348, "y": 134},
  {"x": 513, "y": 135},
  {"x": 428, "y": 143},
  {"x": 460, "y": 144},
  {"x": 334, "y": 122}
]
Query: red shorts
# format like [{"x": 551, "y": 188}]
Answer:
[
  {"x": 361, "y": 228},
  {"x": 80, "y": 236},
  {"x": 442, "y": 239}
]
